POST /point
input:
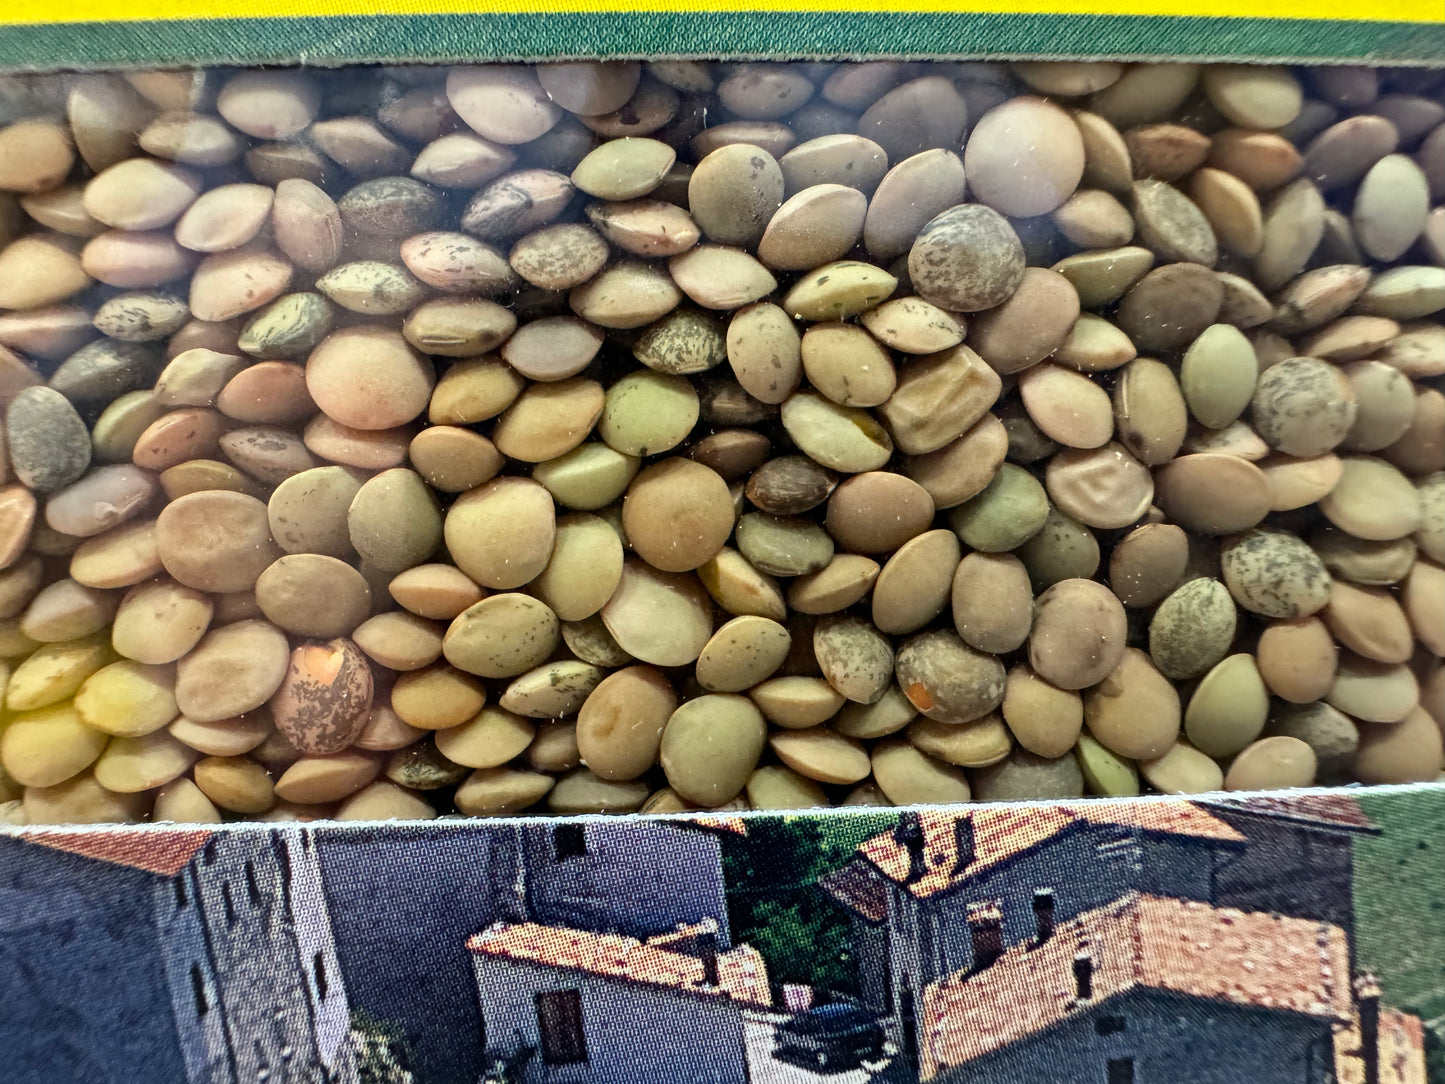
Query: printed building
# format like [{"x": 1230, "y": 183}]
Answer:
[
  {"x": 401, "y": 924},
  {"x": 401, "y": 921},
  {"x": 1379, "y": 1045},
  {"x": 190, "y": 955},
  {"x": 1219, "y": 935},
  {"x": 1158, "y": 989},
  {"x": 640, "y": 879},
  {"x": 1147, "y": 989},
  {"x": 1300, "y": 858},
  {"x": 930, "y": 895},
  {"x": 604, "y": 1008}
]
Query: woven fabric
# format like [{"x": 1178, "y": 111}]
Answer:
[{"x": 448, "y": 38}]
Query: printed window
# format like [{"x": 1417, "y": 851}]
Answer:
[
  {"x": 181, "y": 897},
  {"x": 1110, "y": 1025},
  {"x": 228, "y": 904},
  {"x": 910, "y": 1027},
  {"x": 283, "y": 864},
  {"x": 318, "y": 969},
  {"x": 569, "y": 841},
  {"x": 559, "y": 1022},
  {"x": 253, "y": 889},
  {"x": 198, "y": 991},
  {"x": 1121, "y": 1071},
  {"x": 1083, "y": 977},
  {"x": 208, "y": 856}
]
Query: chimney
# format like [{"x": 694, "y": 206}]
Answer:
[
  {"x": 1367, "y": 1004},
  {"x": 707, "y": 953},
  {"x": 909, "y": 835},
  {"x": 962, "y": 844},
  {"x": 985, "y": 925},
  {"x": 1044, "y": 914},
  {"x": 1083, "y": 975}
]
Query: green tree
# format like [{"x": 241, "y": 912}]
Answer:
[
  {"x": 382, "y": 1052},
  {"x": 775, "y": 905},
  {"x": 1399, "y": 888},
  {"x": 797, "y": 849},
  {"x": 804, "y": 939}
]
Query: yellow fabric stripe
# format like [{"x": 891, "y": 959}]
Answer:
[{"x": 17, "y": 12}]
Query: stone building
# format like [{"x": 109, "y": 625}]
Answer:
[
  {"x": 401, "y": 924},
  {"x": 1300, "y": 858},
  {"x": 640, "y": 878},
  {"x": 188, "y": 955},
  {"x": 401, "y": 921},
  {"x": 913, "y": 890},
  {"x": 605, "y": 1008},
  {"x": 1219, "y": 936},
  {"x": 1142, "y": 989}
]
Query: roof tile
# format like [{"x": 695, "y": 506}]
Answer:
[
  {"x": 857, "y": 886},
  {"x": 737, "y": 826},
  {"x": 1401, "y": 1051},
  {"x": 742, "y": 974},
  {"x": 162, "y": 851},
  {"x": 1330, "y": 810},
  {"x": 1002, "y": 832},
  {"x": 1216, "y": 953}
]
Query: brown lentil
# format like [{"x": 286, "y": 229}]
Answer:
[{"x": 744, "y": 456}]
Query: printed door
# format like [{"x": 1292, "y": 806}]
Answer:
[{"x": 559, "y": 1022}]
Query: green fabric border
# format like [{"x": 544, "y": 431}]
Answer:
[{"x": 442, "y": 38}]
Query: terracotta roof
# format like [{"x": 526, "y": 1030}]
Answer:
[
  {"x": 857, "y": 886},
  {"x": 711, "y": 822},
  {"x": 684, "y": 933},
  {"x": 1002, "y": 832},
  {"x": 1138, "y": 942},
  {"x": 1401, "y": 1055},
  {"x": 736, "y": 825},
  {"x": 742, "y": 974},
  {"x": 1331, "y": 810},
  {"x": 163, "y": 851}
]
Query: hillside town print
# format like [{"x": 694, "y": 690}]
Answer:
[{"x": 1298, "y": 940}]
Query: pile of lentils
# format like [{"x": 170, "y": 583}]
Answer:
[{"x": 601, "y": 437}]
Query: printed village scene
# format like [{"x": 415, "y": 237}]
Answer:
[{"x": 1295, "y": 939}]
